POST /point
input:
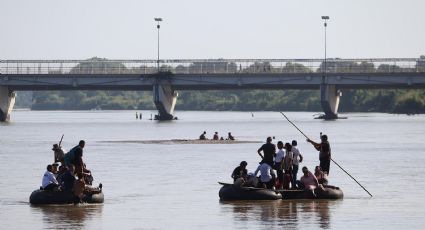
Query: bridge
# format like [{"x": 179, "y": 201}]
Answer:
[{"x": 330, "y": 77}]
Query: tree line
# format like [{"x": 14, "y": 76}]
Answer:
[{"x": 388, "y": 101}]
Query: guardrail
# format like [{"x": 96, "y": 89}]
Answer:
[{"x": 205, "y": 66}]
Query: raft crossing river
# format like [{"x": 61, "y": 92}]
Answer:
[{"x": 166, "y": 185}]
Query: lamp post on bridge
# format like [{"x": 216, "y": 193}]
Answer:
[
  {"x": 329, "y": 94},
  {"x": 325, "y": 24},
  {"x": 158, "y": 26}
]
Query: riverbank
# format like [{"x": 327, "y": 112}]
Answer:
[{"x": 386, "y": 101}]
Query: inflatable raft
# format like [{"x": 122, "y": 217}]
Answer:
[
  {"x": 327, "y": 193},
  {"x": 61, "y": 197},
  {"x": 232, "y": 192}
]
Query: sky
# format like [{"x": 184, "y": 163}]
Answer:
[{"x": 125, "y": 29}]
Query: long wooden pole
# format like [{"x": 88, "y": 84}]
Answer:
[
  {"x": 331, "y": 158},
  {"x": 60, "y": 142}
]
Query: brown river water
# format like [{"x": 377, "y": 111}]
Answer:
[{"x": 151, "y": 182}]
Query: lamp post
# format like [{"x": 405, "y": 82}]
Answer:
[
  {"x": 158, "y": 26},
  {"x": 325, "y": 18}
]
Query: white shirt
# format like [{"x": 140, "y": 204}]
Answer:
[
  {"x": 296, "y": 156},
  {"x": 279, "y": 156},
  {"x": 48, "y": 178},
  {"x": 266, "y": 172}
]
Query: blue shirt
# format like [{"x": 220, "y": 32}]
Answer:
[{"x": 69, "y": 157}]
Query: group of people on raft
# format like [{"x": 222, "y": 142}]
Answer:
[
  {"x": 72, "y": 175},
  {"x": 285, "y": 161},
  {"x": 216, "y": 137}
]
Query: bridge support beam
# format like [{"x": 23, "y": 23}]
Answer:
[
  {"x": 164, "y": 97},
  {"x": 7, "y": 101},
  {"x": 329, "y": 98}
]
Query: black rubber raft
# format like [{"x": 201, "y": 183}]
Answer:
[
  {"x": 232, "y": 192},
  {"x": 327, "y": 193},
  {"x": 61, "y": 197}
]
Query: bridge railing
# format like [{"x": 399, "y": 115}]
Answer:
[{"x": 208, "y": 66}]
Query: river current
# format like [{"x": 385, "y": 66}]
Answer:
[{"x": 166, "y": 185}]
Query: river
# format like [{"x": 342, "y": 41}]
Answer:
[{"x": 174, "y": 186}]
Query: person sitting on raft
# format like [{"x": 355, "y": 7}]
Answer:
[
  {"x": 69, "y": 183},
  {"x": 240, "y": 172},
  {"x": 49, "y": 181},
  {"x": 81, "y": 189},
  {"x": 60, "y": 173},
  {"x": 68, "y": 179},
  {"x": 267, "y": 176},
  {"x": 69, "y": 157},
  {"x": 76, "y": 187},
  {"x": 230, "y": 137},
  {"x": 202, "y": 137},
  {"x": 309, "y": 181},
  {"x": 55, "y": 169},
  {"x": 58, "y": 154},
  {"x": 216, "y": 137},
  {"x": 321, "y": 176}
]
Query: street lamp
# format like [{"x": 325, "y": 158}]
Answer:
[
  {"x": 158, "y": 26},
  {"x": 325, "y": 18}
]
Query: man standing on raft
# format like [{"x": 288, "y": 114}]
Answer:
[
  {"x": 269, "y": 150},
  {"x": 324, "y": 149}
]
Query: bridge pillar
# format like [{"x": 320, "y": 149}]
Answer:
[
  {"x": 164, "y": 97},
  {"x": 329, "y": 98},
  {"x": 7, "y": 101}
]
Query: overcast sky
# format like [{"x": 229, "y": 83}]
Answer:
[{"x": 125, "y": 29}]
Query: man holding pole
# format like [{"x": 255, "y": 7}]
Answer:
[
  {"x": 324, "y": 149},
  {"x": 328, "y": 152}
]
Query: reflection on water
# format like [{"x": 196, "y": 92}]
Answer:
[
  {"x": 290, "y": 214},
  {"x": 68, "y": 216}
]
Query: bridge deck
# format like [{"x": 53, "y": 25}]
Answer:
[
  {"x": 211, "y": 74},
  {"x": 210, "y": 81}
]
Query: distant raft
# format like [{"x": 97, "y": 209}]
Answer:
[
  {"x": 61, "y": 197},
  {"x": 330, "y": 193},
  {"x": 232, "y": 192}
]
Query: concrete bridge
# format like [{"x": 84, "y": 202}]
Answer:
[{"x": 208, "y": 74}]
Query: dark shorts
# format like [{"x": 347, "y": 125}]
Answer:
[{"x": 325, "y": 165}]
